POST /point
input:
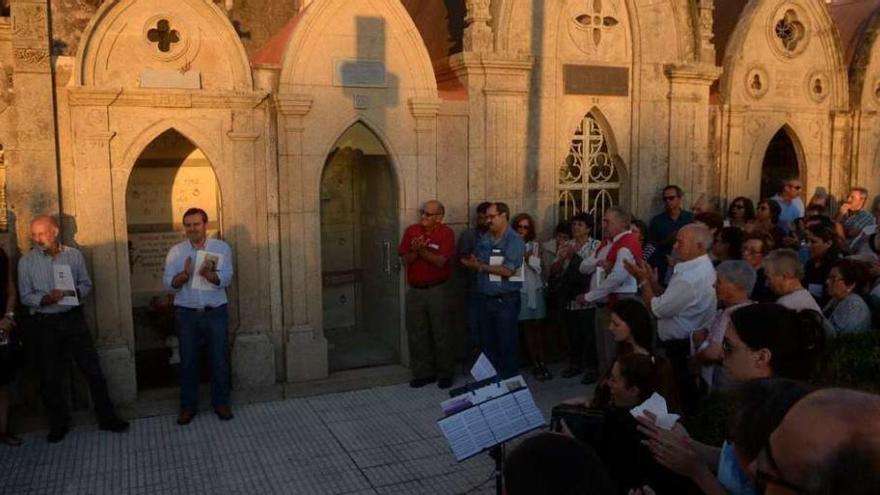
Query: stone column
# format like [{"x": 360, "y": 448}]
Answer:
[
  {"x": 843, "y": 171},
  {"x": 734, "y": 173},
  {"x": 690, "y": 159},
  {"x": 32, "y": 160},
  {"x": 96, "y": 192},
  {"x": 306, "y": 346},
  {"x": 253, "y": 355},
  {"x": 425, "y": 111}
]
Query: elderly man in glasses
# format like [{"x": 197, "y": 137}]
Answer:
[
  {"x": 843, "y": 456},
  {"x": 790, "y": 202},
  {"x": 427, "y": 249},
  {"x": 664, "y": 226},
  {"x": 854, "y": 222}
]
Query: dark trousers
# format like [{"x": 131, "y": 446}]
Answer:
[
  {"x": 61, "y": 337},
  {"x": 212, "y": 326},
  {"x": 430, "y": 334},
  {"x": 579, "y": 328},
  {"x": 499, "y": 328},
  {"x": 678, "y": 353}
]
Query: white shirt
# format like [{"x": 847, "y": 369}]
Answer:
[
  {"x": 689, "y": 301},
  {"x": 618, "y": 281},
  {"x": 187, "y": 296},
  {"x": 798, "y": 300}
]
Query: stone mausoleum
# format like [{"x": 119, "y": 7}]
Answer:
[{"x": 312, "y": 130}]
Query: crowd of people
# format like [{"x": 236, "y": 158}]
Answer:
[{"x": 691, "y": 303}]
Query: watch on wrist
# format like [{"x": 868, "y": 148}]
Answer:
[{"x": 10, "y": 315}]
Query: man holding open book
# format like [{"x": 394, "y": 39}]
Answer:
[
  {"x": 199, "y": 270},
  {"x": 52, "y": 280}
]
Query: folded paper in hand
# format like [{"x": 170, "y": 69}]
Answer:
[{"x": 656, "y": 404}]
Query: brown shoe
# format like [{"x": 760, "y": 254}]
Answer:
[
  {"x": 185, "y": 417},
  {"x": 223, "y": 412}
]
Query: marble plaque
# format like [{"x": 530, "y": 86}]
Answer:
[
  {"x": 595, "y": 80},
  {"x": 360, "y": 73}
]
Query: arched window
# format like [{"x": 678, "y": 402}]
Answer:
[{"x": 589, "y": 179}]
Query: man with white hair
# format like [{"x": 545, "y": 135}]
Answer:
[
  {"x": 735, "y": 280},
  {"x": 784, "y": 274},
  {"x": 60, "y": 326},
  {"x": 687, "y": 304}
]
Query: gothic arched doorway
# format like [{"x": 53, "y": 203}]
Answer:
[
  {"x": 359, "y": 263},
  {"x": 780, "y": 163},
  {"x": 170, "y": 176},
  {"x": 590, "y": 178}
]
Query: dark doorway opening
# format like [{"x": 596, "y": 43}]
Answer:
[{"x": 780, "y": 163}]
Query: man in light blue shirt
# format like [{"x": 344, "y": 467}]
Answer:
[
  {"x": 790, "y": 202},
  {"x": 199, "y": 270},
  {"x": 498, "y": 257},
  {"x": 59, "y": 327}
]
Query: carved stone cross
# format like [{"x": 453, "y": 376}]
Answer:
[
  {"x": 163, "y": 35},
  {"x": 596, "y": 21}
]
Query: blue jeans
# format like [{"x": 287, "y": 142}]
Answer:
[
  {"x": 499, "y": 333},
  {"x": 192, "y": 327}
]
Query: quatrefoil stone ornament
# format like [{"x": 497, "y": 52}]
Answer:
[
  {"x": 790, "y": 32},
  {"x": 595, "y": 22},
  {"x": 163, "y": 35}
]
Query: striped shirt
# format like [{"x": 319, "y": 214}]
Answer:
[{"x": 36, "y": 277}]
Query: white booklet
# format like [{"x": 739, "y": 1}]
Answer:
[
  {"x": 519, "y": 276},
  {"x": 199, "y": 282},
  {"x": 66, "y": 284}
]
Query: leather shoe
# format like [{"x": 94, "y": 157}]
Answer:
[
  {"x": 444, "y": 383},
  {"x": 57, "y": 434},
  {"x": 185, "y": 417},
  {"x": 421, "y": 382},
  {"x": 114, "y": 424},
  {"x": 223, "y": 412}
]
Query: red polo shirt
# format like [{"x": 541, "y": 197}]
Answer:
[{"x": 440, "y": 241}]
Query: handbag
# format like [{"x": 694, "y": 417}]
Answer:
[{"x": 584, "y": 423}]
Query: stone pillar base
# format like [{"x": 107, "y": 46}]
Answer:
[
  {"x": 253, "y": 362},
  {"x": 118, "y": 366},
  {"x": 306, "y": 355}
]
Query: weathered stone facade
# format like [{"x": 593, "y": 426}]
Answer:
[{"x": 550, "y": 106}]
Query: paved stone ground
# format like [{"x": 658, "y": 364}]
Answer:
[{"x": 374, "y": 441}]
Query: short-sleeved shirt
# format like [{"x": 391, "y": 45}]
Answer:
[
  {"x": 791, "y": 211},
  {"x": 441, "y": 241},
  {"x": 509, "y": 246}
]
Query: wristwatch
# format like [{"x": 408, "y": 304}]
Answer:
[{"x": 10, "y": 315}]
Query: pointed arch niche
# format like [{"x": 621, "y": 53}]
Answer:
[
  {"x": 591, "y": 176},
  {"x": 781, "y": 161},
  {"x": 170, "y": 176}
]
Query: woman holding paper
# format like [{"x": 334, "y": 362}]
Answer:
[{"x": 532, "y": 309}]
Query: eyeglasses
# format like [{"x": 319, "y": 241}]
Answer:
[
  {"x": 522, "y": 226},
  {"x": 428, "y": 214},
  {"x": 796, "y": 187},
  {"x": 669, "y": 198},
  {"x": 751, "y": 252},
  {"x": 763, "y": 207},
  {"x": 737, "y": 206},
  {"x": 834, "y": 278}
]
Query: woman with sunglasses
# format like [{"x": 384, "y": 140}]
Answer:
[
  {"x": 532, "y": 307},
  {"x": 767, "y": 220},
  {"x": 740, "y": 212}
]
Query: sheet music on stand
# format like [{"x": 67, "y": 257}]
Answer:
[{"x": 490, "y": 415}]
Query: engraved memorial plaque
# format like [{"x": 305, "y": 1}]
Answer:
[
  {"x": 360, "y": 73},
  {"x": 595, "y": 80}
]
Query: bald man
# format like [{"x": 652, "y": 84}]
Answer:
[
  {"x": 843, "y": 456},
  {"x": 427, "y": 249},
  {"x": 60, "y": 328},
  {"x": 687, "y": 304}
]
